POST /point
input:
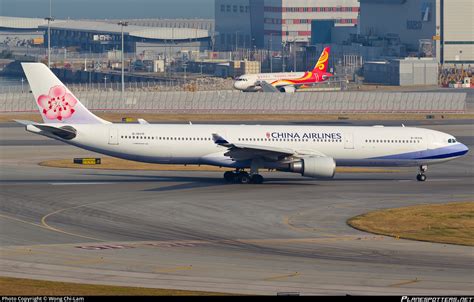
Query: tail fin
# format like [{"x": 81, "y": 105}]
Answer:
[
  {"x": 322, "y": 65},
  {"x": 56, "y": 103}
]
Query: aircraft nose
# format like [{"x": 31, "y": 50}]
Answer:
[{"x": 463, "y": 149}]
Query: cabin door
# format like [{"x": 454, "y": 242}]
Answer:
[
  {"x": 348, "y": 140},
  {"x": 113, "y": 136}
]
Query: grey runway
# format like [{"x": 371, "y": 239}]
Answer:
[{"x": 190, "y": 230}]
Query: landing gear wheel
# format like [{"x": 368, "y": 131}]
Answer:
[
  {"x": 229, "y": 176},
  {"x": 421, "y": 177},
  {"x": 257, "y": 179},
  {"x": 244, "y": 178},
  {"x": 421, "y": 174}
]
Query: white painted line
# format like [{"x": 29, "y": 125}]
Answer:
[{"x": 80, "y": 183}]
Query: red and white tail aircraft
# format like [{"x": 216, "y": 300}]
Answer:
[{"x": 286, "y": 81}]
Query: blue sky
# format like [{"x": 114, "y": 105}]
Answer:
[{"x": 108, "y": 9}]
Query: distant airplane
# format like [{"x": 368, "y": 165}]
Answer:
[
  {"x": 286, "y": 81},
  {"x": 312, "y": 151}
]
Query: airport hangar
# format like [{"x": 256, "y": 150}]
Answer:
[{"x": 101, "y": 36}]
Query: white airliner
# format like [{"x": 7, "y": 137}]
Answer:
[
  {"x": 286, "y": 81},
  {"x": 312, "y": 151}
]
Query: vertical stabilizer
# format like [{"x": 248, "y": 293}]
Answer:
[
  {"x": 55, "y": 101},
  {"x": 322, "y": 64}
]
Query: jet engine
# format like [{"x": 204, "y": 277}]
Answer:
[
  {"x": 287, "y": 89},
  {"x": 316, "y": 167}
]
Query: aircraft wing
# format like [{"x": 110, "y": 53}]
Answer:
[
  {"x": 241, "y": 152},
  {"x": 266, "y": 87}
]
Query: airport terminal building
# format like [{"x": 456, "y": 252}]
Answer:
[
  {"x": 270, "y": 24},
  {"x": 102, "y": 36},
  {"x": 438, "y": 28},
  {"x": 94, "y": 36}
]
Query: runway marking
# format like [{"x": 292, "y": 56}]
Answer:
[
  {"x": 161, "y": 244},
  {"x": 174, "y": 269},
  {"x": 105, "y": 247},
  {"x": 24, "y": 221},
  {"x": 429, "y": 180},
  {"x": 275, "y": 278},
  {"x": 43, "y": 222},
  {"x": 405, "y": 283},
  {"x": 80, "y": 183},
  {"x": 287, "y": 222},
  {"x": 16, "y": 252},
  {"x": 85, "y": 261},
  {"x": 333, "y": 238}
]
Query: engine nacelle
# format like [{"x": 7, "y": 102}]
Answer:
[
  {"x": 316, "y": 167},
  {"x": 287, "y": 89}
]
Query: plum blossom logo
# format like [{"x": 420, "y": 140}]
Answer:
[
  {"x": 268, "y": 134},
  {"x": 58, "y": 104}
]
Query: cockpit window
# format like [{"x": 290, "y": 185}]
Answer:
[{"x": 451, "y": 141}]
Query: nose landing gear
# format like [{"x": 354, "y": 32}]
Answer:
[{"x": 421, "y": 175}]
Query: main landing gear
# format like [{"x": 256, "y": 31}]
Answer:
[
  {"x": 242, "y": 177},
  {"x": 421, "y": 175}
]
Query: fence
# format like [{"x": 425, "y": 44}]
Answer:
[
  {"x": 255, "y": 103},
  {"x": 198, "y": 84}
]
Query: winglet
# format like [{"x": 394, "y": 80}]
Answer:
[
  {"x": 142, "y": 121},
  {"x": 220, "y": 140}
]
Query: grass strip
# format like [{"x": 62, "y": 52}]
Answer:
[
  {"x": 29, "y": 287},
  {"x": 443, "y": 223}
]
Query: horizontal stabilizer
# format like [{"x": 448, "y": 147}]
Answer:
[
  {"x": 64, "y": 132},
  {"x": 25, "y": 122}
]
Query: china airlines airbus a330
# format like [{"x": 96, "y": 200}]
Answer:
[{"x": 312, "y": 151}]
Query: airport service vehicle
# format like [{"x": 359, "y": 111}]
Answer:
[
  {"x": 286, "y": 81},
  {"x": 312, "y": 151}
]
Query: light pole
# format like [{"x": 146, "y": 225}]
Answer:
[
  {"x": 185, "y": 66},
  {"x": 201, "y": 66},
  {"x": 236, "y": 41},
  {"x": 49, "y": 19},
  {"x": 271, "y": 52},
  {"x": 294, "y": 56},
  {"x": 283, "y": 56},
  {"x": 122, "y": 24}
]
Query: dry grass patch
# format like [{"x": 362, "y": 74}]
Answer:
[
  {"x": 444, "y": 223},
  {"x": 28, "y": 287},
  {"x": 109, "y": 163}
]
